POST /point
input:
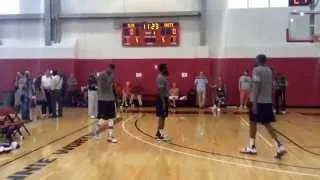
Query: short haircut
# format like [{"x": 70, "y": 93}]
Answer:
[
  {"x": 162, "y": 67},
  {"x": 261, "y": 58},
  {"x": 112, "y": 66}
]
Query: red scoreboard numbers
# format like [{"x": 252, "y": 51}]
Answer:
[
  {"x": 153, "y": 34},
  {"x": 299, "y": 2}
]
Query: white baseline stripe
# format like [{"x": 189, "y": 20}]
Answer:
[
  {"x": 259, "y": 134},
  {"x": 213, "y": 159}
]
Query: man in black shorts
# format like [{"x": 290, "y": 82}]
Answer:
[
  {"x": 162, "y": 100},
  {"x": 106, "y": 101},
  {"x": 261, "y": 109}
]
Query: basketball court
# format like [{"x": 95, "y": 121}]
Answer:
[
  {"x": 219, "y": 39},
  {"x": 202, "y": 146}
]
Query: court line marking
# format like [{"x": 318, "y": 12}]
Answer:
[
  {"x": 259, "y": 134},
  {"x": 45, "y": 145},
  {"x": 123, "y": 125}
]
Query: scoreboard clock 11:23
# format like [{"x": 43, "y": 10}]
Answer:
[{"x": 151, "y": 34}]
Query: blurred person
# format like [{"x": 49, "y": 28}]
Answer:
[
  {"x": 162, "y": 100},
  {"x": 72, "y": 86},
  {"x": 244, "y": 89},
  {"x": 261, "y": 108},
  {"x": 19, "y": 83},
  {"x": 201, "y": 86},
  {"x": 173, "y": 95},
  {"x": 106, "y": 102},
  {"x": 26, "y": 97},
  {"x": 281, "y": 84},
  {"x": 46, "y": 84},
  {"x": 136, "y": 92},
  {"x": 56, "y": 87},
  {"x": 219, "y": 94},
  {"x": 92, "y": 96},
  {"x": 125, "y": 94}
]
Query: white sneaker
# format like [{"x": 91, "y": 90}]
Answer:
[
  {"x": 280, "y": 152},
  {"x": 92, "y": 117},
  {"x": 249, "y": 150},
  {"x": 112, "y": 140}
]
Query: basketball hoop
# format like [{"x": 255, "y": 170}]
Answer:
[{"x": 316, "y": 38}]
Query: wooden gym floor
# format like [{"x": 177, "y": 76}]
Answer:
[{"x": 202, "y": 147}]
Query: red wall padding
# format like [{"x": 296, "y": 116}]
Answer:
[{"x": 303, "y": 73}]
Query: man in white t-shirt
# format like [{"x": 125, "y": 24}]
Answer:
[
  {"x": 46, "y": 84},
  {"x": 56, "y": 87}
]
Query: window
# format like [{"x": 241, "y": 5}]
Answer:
[
  {"x": 258, "y": 3},
  {"x": 279, "y": 3},
  {"x": 236, "y": 4},
  {"x": 9, "y": 6}
]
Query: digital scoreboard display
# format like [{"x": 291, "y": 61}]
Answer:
[
  {"x": 151, "y": 34},
  {"x": 299, "y": 2}
]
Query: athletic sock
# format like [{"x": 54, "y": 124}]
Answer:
[
  {"x": 277, "y": 143},
  {"x": 110, "y": 132},
  {"x": 252, "y": 143},
  {"x": 161, "y": 132}
]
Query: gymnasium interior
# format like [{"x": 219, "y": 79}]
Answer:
[{"x": 219, "y": 38}]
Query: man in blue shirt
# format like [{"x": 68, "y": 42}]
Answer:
[{"x": 201, "y": 85}]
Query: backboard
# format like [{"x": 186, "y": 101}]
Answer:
[{"x": 303, "y": 26}]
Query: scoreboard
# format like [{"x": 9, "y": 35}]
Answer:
[
  {"x": 299, "y": 2},
  {"x": 151, "y": 34}
]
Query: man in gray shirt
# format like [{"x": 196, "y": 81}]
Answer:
[
  {"x": 162, "y": 100},
  {"x": 106, "y": 101},
  {"x": 261, "y": 110}
]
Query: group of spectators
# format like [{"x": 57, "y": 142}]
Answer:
[
  {"x": 220, "y": 90},
  {"x": 43, "y": 94}
]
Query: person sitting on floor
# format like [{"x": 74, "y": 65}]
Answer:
[
  {"x": 136, "y": 91},
  {"x": 125, "y": 94}
]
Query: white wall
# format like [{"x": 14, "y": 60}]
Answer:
[
  {"x": 123, "y": 6},
  {"x": 230, "y": 32},
  {"x": 248, "y": 32},
  {"x": 102, "y": 39}
]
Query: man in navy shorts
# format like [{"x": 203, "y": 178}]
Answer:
[
  {"x": 162, "y": 100},
  {"x": 261, "y": 108}
]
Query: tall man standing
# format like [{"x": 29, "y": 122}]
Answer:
[
  {"x": 106, "y": 101},
  {"x": 261, "y": 110},
  {"x": 162, "y": 100}
]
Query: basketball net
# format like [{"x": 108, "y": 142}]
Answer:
[{"x": 316, "y": 38}]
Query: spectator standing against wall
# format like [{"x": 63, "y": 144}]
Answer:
[
  {"x": 57, "y": 83},
  {"x": 244, "y": 89},
  {"x": 46, "y": 83},
  {"x": 26, "y": 97},
  {"x": 280, "y": 84},
  {"x": 173, "y": 95},
  {"x": 18, "y": 91},
  {"x": 201, "y": 86},
  {"x": 72, "y": 85},
  {"x": 92, "y": 96},
  {"x": 136, "y": 92},
  {"x": 125, "y": 94}
]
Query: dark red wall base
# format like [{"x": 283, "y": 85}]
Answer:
[{"x": 303, "y": 73}]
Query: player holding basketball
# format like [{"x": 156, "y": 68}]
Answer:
[
  {"x": 261, "y": 110},
  {"x": 106, "y": 101},
  {"x": 162, "y": 100}
]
